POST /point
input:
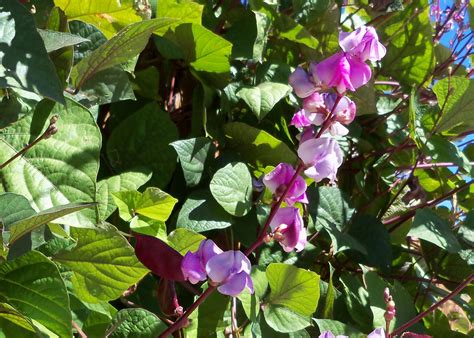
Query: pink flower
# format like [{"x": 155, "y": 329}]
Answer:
[
  {"x": 279, "y": 178},
  {"x": 329, "y": 334},
  {"x": 362, "y": 43},
  {"x": 303, "y": 84},
  {"x": 231, "y": 270},
  {"x": 343, "y": 71},
  {"x": 344, "y": 113},
  {"x": 288, "y": 229},
  {"x": 194, "y": 264},
  {"x": 377, "y": 333},
  {"x": 313, "y": 103},
  {"x": 322, "y": 156},
  {"x": 308, "y": 133},
  {"x": 299, "y": 120}
]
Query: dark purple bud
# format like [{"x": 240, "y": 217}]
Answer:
[{"x": 159, "y": 257}]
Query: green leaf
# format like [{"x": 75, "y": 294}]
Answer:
[
  {"x": 211, "y": 317},
  {"x": 442, "y": 150},
  {"x": 466, "y": 231},
  {"x": 410, "y": 53},
  {"x": 13, "y": 208},
  {"x": 54, "y": 40},
  {"x": 201, "y": 212},
  {"x": 373, "y": 235},
  {"x": 257, "y": 146},
  {"x": 108, "y": 16},
  {"x": 184, "y": 11},
  {"x": 329, "y": 206},
  {"x": 138, "y": 323},
  {"x": 14, "y": 324},
  {"x": 24, "y": 62},
  {"x": 128, "y": 43},
  {"x": 63, "y": 167},
  {"x": 290, "y": 30},
  {"x": 262, "y": 98},
  {"x": 430, "y": 227},
  {"x": 290, "y": 286},
  {"x": 457, "y": 106},
  {"x": 184, "y": 240},
  {"x": 148, "y": 226},
  {"x": 24, "y": 226},
  {"x": 89, "y": 32},
  {"x": 357, "y": 301},
  {"x": 282, "y": 319},
  {"x": 192, "y": 154},
  {"x": 231, "y": 186},
  {"x": 202, "y": 49},
  {"x": 103, "y": 262},
  {"x": 153, "y": 203},
  {"x": 33, "y": 285},
  {"x": 130, "y": 180},
  {"x": 134, "y": 142},
  {"x": 417, "y": 133},
  {"x": 337, "y": 328}
]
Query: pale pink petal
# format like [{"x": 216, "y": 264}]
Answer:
[{"x": 301, "y": 83}]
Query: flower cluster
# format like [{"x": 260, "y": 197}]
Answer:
[
  {"x": 332, "y": 112},
  {"x": 230, "y": 270},
  {"x": 321, "y": 157}
]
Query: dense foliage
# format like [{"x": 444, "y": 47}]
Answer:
[{"x": 225, "y": 168}]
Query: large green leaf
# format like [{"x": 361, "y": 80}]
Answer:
[
  {"x": 184, "y": 11},
  {"x": 257, "y": 146},
  {"x": 54, "y": 40},
  {"x": 24, "y": 62},
  {"x": 33, "y": 285},
  {"x": 201, "y": 48},
  {"x": 130, "y": 180},
  {"x": 184, "y": 240},
  {"x": 282, "y": 319},
  {"x": 193, "y": 154},
  {"x": 457, "y": 105},
  {"x": 329, "y": 206},
  {"x": 337, "y": 328},
  {"x": 201, "y": 212},
  {"x": 138, "y": 323},
  {"x": 231, "y": 186},
  {"x": 106, "y": 86},
  {"x": 13, "y": 208},
  {"x": 143, "y": 139},
  {"x": 262, "y": 98},
  {"x": 153, "y": 203},
  {"x": 103, "y": 262},
  {"x": 410, "y": 53},
  {"x": 128, "y": 43},
  {"x": 108, "y": 16},
  {"x": 59, "y": 170},
  {"x": 25, "y": 226},
  {"x": 291, "y": 286},
  {"x": 14, "y": 324},
  {"x": 373, "y": 235},
  {"x": 430, "y": 227}
]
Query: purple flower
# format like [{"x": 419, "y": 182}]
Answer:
[
  {"x": 303, "y": 84},
  {"x": 299, "y": 120},
  {"x": 343, "y": 71},
  {"x": 278, "y": 179},
  {"x": 377, "y": 333},
  {"x": 322, "y": 156},
  {"x": 308, "y": 133},
  {"x": 194, "y": 264},
  {"x": 288, "y": 229},
  {"x": 362, "y": 43},
  {"x": 231, "y": 270},
  {"x": 328, "y": 334}
]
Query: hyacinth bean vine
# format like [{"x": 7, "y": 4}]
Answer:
[{"x": 225, "y": 168}]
